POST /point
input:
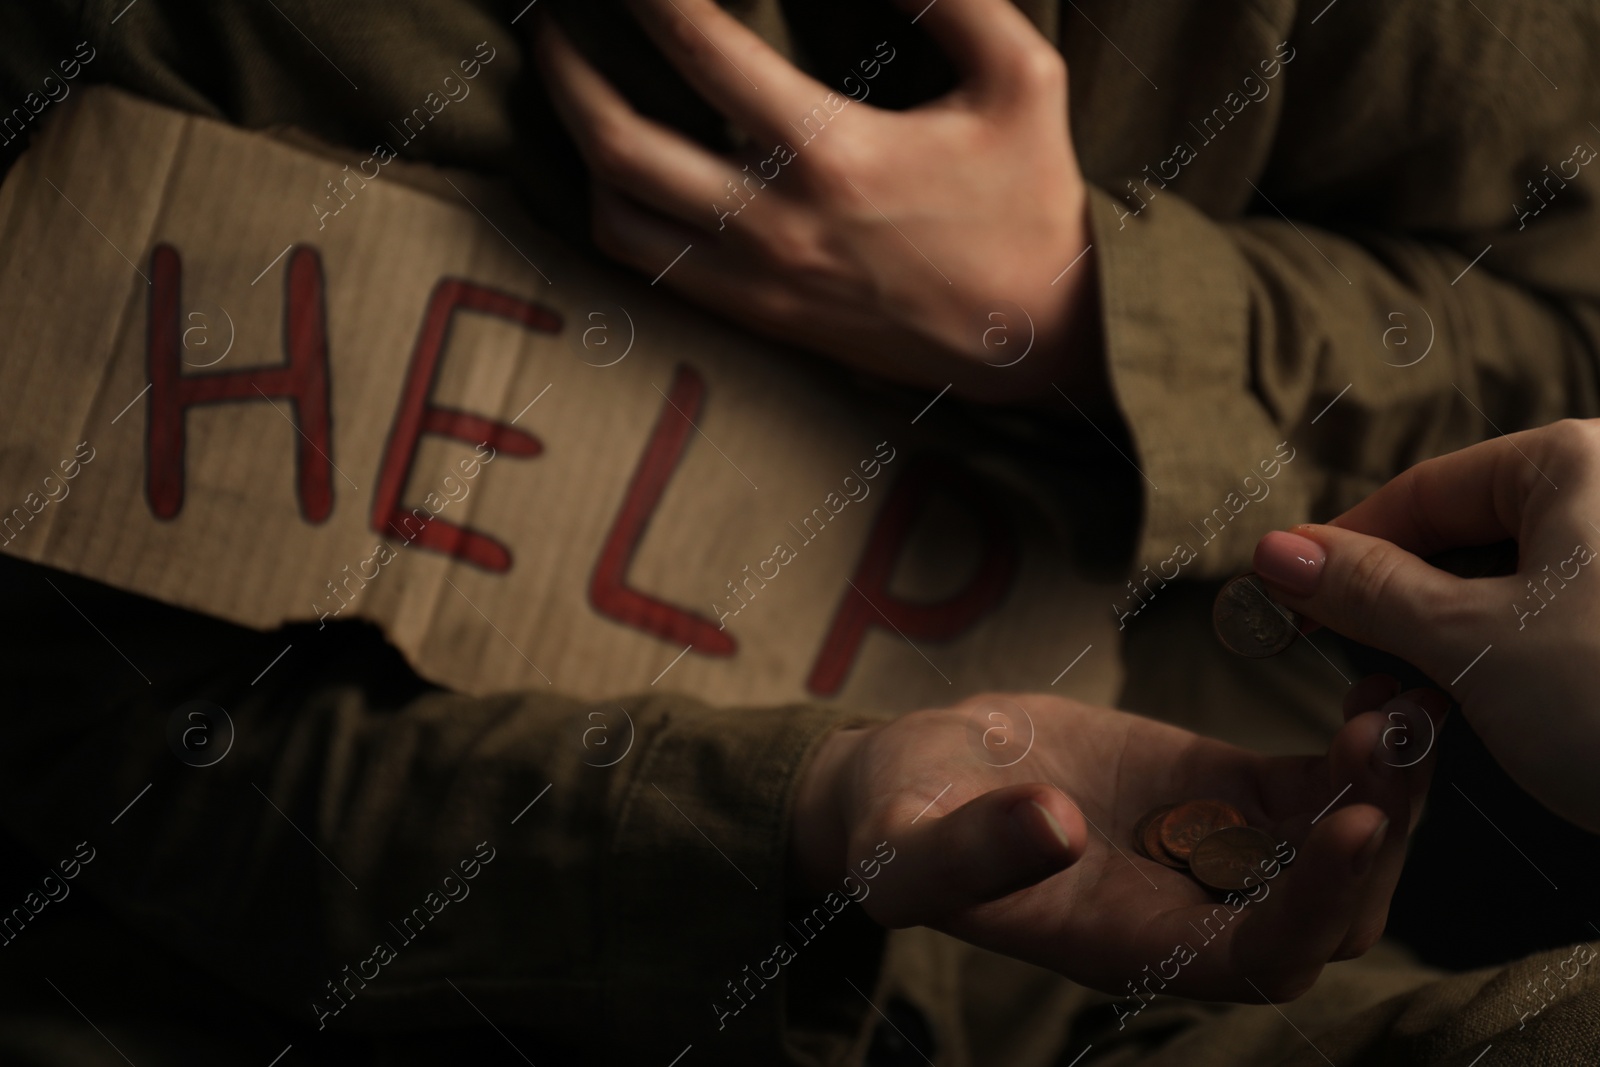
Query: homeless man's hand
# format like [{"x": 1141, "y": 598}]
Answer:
[
  {"x": 1518, "y": 651},
  {"x": 894, "y": 241},
  {"x": 985, "y": 862}
]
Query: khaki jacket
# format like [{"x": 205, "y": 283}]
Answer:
[{"x": 1335, "y": 226}]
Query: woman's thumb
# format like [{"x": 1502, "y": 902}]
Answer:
[{"x": 1370, "y": 590}]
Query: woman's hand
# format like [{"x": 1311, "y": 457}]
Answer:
[
  {"x": 1518, "y": 652},
  {"x": 928, "y": 246},
  {"x": 1011, "y": 821}
]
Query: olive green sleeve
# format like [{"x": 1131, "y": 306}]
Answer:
[
  {"x": 360, "y": 851},
  {"x": 1389, "y": 287}
]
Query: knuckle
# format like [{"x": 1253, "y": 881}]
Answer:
[
  {"x": 1370, "y": 577},
  {"x": 833, "y": 162},
  {"x": 1041, "y": 69},
  {"x": 777, "y": 304},
  {"x": 1574, "y": 442},
  {"x": 788, "y": 245},
  {"x": 990, "y": 699},
  {"x": 1382, "y": 606},
  {"x": 827, "y": 172}
]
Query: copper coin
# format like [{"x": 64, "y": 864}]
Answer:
[
  {"x": 1249, "y": 623},
  {"x": 1150, "y": 838},
  {"x": 1186, "y": 825},
  {"x": 1143, "y": 824},
  {"x": 1231, "y": 858}
]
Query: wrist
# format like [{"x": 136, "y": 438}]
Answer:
[
  {"x": 818, "y": 832},
  {"x": 1067, "y": 349},
  {"x": 1078, "y": 343}
]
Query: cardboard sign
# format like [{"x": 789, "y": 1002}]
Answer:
[{"x": 528, "y": 468}]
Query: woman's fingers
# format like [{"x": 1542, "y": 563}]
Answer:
[
  {"x": 1480, "y": 494},
  {"x": 1412, "y": 723},
  {"x": 624, "y": 149},
  {"x": 1388, "y": 755},
  {"x": 990, "y": 847},
  {"x": 1445, "y": 502}
]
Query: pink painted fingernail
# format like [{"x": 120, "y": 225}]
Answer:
[{"x": 1290, "y": 561}]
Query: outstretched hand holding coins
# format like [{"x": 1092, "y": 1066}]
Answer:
[
  {"x": 1267, "y": 869},
  {"x": 1517, "y": 651},
  {"x": 885, "y": 239}
]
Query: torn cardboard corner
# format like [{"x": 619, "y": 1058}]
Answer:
[{"x": 528, "y": 469}]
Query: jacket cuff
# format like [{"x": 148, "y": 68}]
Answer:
[
  {"x": 1179, "y": 330},
  {"x": 703, "y": 951}
]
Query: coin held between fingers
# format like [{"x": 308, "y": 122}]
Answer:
[{"x": 1248, "y": 622}]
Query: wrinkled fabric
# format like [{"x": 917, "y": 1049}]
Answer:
[{"x": 212, "y": 923}]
